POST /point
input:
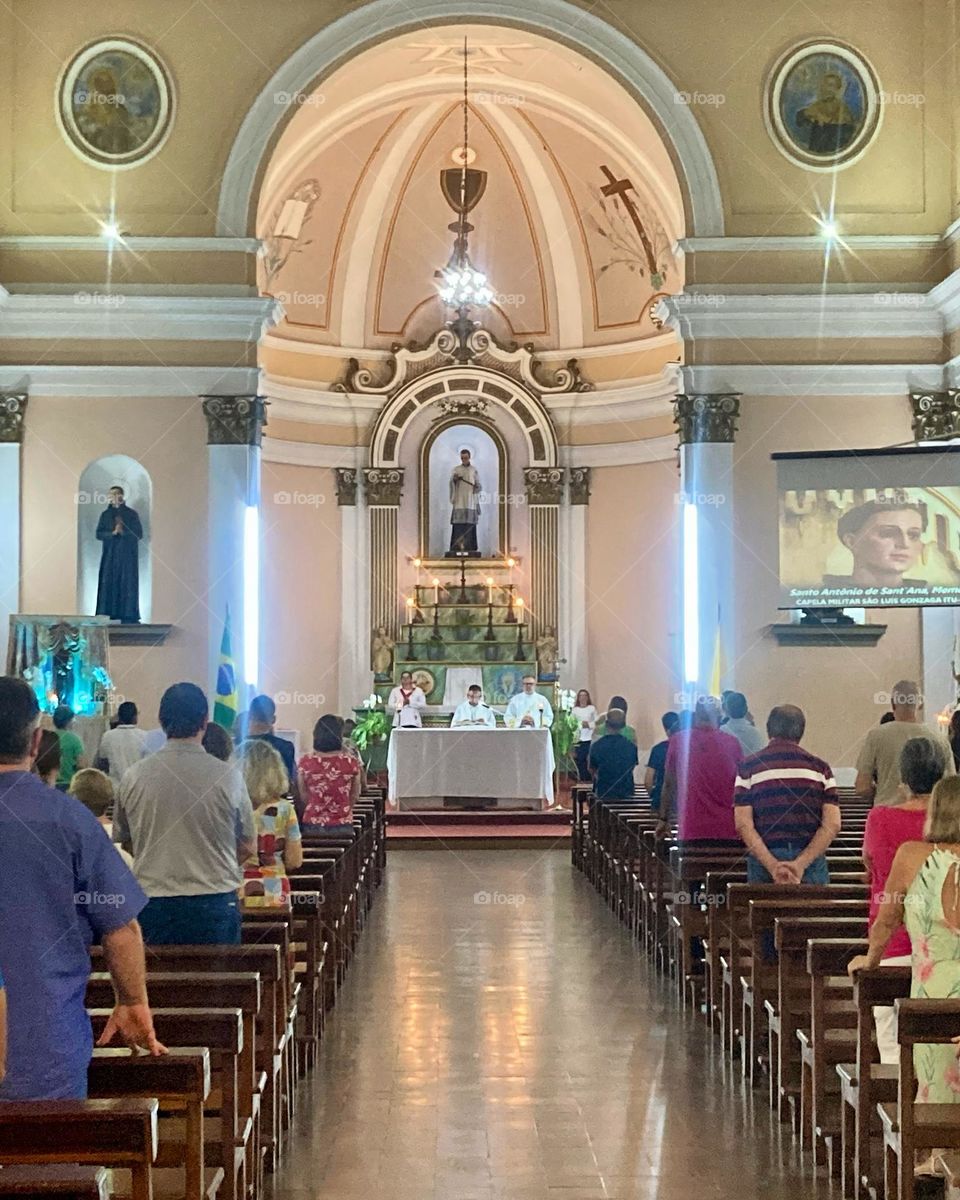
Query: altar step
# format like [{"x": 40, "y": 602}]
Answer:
[{"x": 497, "y": 830}]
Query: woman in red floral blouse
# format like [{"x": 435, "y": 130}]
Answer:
[{"x": 329, "y": 781}]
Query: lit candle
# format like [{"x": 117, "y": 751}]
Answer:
[
  {"x": 409, "y": 603},
  {"x": 520, "y": 606},
  {"x": 489, "y": 590},
  {"x": 436, "y": 591}
]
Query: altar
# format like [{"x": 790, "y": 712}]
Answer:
[{"x": 515, "y": 766}]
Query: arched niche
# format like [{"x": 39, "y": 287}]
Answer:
[
  {"x": 439, "y": 454},
  {"x": 93, "y": 496}
]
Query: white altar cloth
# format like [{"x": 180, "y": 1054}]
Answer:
[{"x": 510, "y": 764}]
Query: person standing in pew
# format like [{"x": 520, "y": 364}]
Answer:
[
  {"x": 786, "y": 806},
  {"x": 261, "y": 722},
  {"x": 739, "y": 725},
  {"x": 922, "y": 893},
  {"x": 698, "y": 781},
  {"x": 187, "y": 819},
  {"x": 279, "y": 845},
  {"x": 62, "y": 887},
  {"x": 657, "y": 760},
  {"x": 613, "y": 760},
  {"x": 878, "y": 774},
  {"x": 888, "y": 827},
  {"x": 329, "y": 781}
]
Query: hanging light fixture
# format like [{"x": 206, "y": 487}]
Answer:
[{"x": 461, "y": 284}]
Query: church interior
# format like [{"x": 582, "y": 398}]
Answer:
[{"x": 424, "y": 367}]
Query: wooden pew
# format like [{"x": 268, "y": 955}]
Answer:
[
  {"x": 866, "y": 1082},
  {"x": 221, "y": 1032},
  {"x": 737, "y": 962},
  {"x": 180, "y": 1082},
  {"x": 98, "y": 1133},
  {"x": 790, "y": 1010},
  {"x": 200, "y": 990},
  {"x": 760, "y": 985},
  {"x": 829, "y": 1039},
  {"x": 909, "y": 1127},
  {"x": 262, "y": 1056}
]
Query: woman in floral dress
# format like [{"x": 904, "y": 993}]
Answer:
[
  {"x": 329, "y": 781},
  {"x": 279, "y": 848},
  {"x": 923, "y": 893}
]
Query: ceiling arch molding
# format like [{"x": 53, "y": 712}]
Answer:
[{"x": 372, "y": 23}]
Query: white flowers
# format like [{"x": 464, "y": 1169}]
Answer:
[
  {"x": 371, "y": 701},
  {"x": 567, "y": 699}
]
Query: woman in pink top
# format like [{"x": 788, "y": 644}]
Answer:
[
  {"x": 922, "y": 764},
  {"x": 329, "y": 781}
]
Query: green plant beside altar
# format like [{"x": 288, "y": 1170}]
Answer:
[
  {"x": 565, "y": 733},
  {"x": 372, "y": 727}
]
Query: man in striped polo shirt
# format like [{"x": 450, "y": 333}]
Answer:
[{"x": 786, "y": 806}]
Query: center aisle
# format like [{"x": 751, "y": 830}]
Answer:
[{"x": 498, "y": 1036}]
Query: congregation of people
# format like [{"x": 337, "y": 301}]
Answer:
[{"x": 152, "y": 843}]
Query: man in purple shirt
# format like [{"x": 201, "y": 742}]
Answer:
[{"x": 62, "y": 887}]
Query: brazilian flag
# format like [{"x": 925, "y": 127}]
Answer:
[{"x": 225, "y": 708}]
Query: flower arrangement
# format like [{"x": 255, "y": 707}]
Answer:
[{"x": 372, "y": 726}]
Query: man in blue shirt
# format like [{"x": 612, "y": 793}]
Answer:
[
  {"x": 613, "y": 760},
  {"x": 62, "y": 887}
]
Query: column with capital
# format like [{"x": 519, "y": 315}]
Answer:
[
  {"x": 936, "y": 418},
  {"x": 707, "y": 424},
  {"x": 572, "y": 600},
  {"x": 383, "y": 489},
  {"x": 544, "y": 488},
  {"x": 13, "y": 406},
  {"x": 234, "y": 433},
  {"x": 354, "y": 667}
]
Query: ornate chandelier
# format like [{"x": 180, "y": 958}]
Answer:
[{"x": 461, "y": 284}]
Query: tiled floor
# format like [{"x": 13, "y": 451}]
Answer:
[{"x": 499, "y": 1038}]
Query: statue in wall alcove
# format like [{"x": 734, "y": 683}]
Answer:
[
  {"x": 464, "y": 508},
  {"x": 548, "y": 652},
  {"x": 381, "y": 650},
  {"x": 119, "y": 532}
]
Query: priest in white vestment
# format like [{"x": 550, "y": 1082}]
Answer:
[
  {"x": 407, "y": 700},
  {"x": 464, "y": 507},
  {"x": 528, "y": 709},
  {"x": 473, "y": 713}
]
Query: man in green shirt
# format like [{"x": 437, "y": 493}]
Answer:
[
  {"x": 600, "y": 729},
  {"x": 71, "y": 747}
]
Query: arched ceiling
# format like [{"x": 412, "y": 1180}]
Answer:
[{"x": 354, "y": 224}]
